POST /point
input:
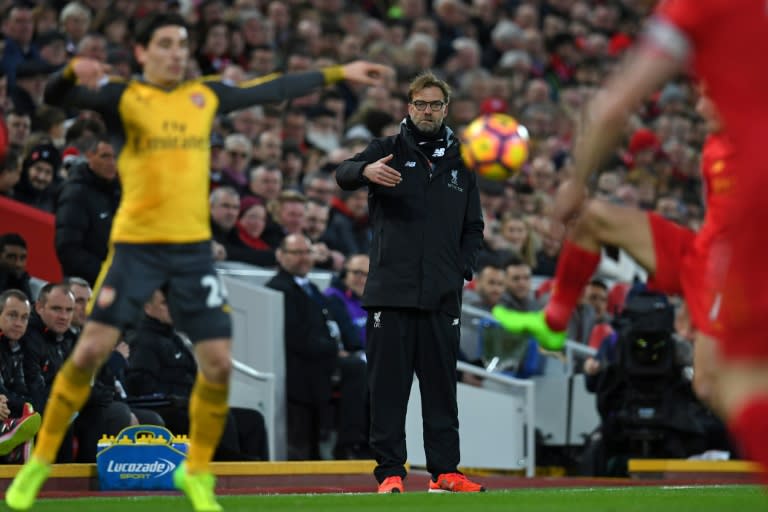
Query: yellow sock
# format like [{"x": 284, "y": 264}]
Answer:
[
  {"x": 70, "y": 391},
  {"x": 208, "y": 407}
]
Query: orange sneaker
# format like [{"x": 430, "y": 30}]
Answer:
[
  {"x": 391, "y": 484},
  {"x": 454, "y": 482}
]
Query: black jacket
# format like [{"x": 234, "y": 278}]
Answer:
[
  {"x": 10, "y": 279},
  {"x": 45, "y": 349},
  {"x": 310, "y": 351},
  {"x": 85, "y": 208},
  {"x": 160, "y": 361},
  {"x": 20, "y": 380},
  {"x": 427, "y": 230},
  {"x": 25, "y": 193}
]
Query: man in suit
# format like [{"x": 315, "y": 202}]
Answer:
[{"x": 317, "y": 352}]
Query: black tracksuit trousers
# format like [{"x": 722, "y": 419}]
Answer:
[{"x": 399, "y": 343}]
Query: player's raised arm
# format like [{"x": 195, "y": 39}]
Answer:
[
  {"x": 294, "y": 85},
  {"x": 84, "y": 83}
]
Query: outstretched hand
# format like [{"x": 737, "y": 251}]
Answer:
[
  {"x": 380, "y": 173},
  {"x": 89, "y": 72},
  {"x": 367, "y": 73}
]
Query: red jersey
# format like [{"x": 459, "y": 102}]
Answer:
[
  {"x": 725, "y": 43},
  {"x": 717, "y": 172}
]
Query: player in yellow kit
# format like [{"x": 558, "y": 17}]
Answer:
[{"x": 161, "y": 233}]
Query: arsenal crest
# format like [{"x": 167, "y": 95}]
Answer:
[{"x": 197, "y": 99}]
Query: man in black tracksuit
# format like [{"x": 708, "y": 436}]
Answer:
[
  {"x": 427, "y": 229},
  {"x": 85, "y": 208}
]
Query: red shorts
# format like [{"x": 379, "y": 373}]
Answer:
[{"x": 681, "y": 269}]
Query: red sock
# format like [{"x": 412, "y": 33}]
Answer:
[
  {"x": 575, "y": 268},
  {"x": 749, "y": 427}
]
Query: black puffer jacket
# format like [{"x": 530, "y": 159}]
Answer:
[
  {"x": 20, "y": 381},
  {"x": 45, "y": 349},
  {"x": 160, "y": 362},
  {"x": 85, "y": 207},
  {"x": 427, "y": 230}
]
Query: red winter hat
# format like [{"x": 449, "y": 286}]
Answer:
[
  {"x": 494, "y": 106},
  {"x": 643, "y": 139}
]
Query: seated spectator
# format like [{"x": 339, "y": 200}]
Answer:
[
  {"x": 596, "y": 295},
  {"x": 315, "y": 228},
  {"x": 106, "y": 411},
  {"x": 37, "y": 185},
  {"x": 238, "y": 151},
  {"x": 21, "y": 386},
  {"x": 13, "y": 263},
  {"x": 225, "y": 208},
  {"x": 250, "y": 226},
  {"x": 266, "y": 181},
  {"x": 317, "y": 347},
  {"x": 49, "y": 341},
  {"x": 518, "y": 294},
  {"x": 348, "y": 230},
  {"x": 86, "y": 205},
  {"x": 548, "y": 253},
  {"x": 489, "y": 286},
  {"x": 161, "y": 374},
  {"x": 10, "y": 172},
  {"x": 288, "y": 215},
  {"x": 346, "y": 291},
  {"x": 319, "y": 186}
]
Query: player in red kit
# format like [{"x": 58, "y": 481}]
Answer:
[
  {"x": 674, "y": 256},
  {"x": 723, "y": 42}
]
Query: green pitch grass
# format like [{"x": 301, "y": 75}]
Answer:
[{"x": 625, "y": 499}]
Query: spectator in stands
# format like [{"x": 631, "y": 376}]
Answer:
[
  {"x": 318, "y": 346},
  {"x": 596, "y": 295},
  {"x": 19, "y": 128},
  {"x": 18, "y": 29},
  {"x": 225, "y": 207},
  {"x": 93, "y": 46},
  {"x": 85, "y": 208},
  {"x": 346, "y": 291},
  {"x": 518, "y": 294},
  {"x": 266, "y": 181},
  {"x": 75, "y": 18},
  {"x": 27, "y": 94},
  {"x": 81, "y": 291},
  {"x": 250, "y": 226},
  {"x": 489, "y": 285},
  {"x": 37, "y": 186},
  {"x": 548, "y": 253},
  {"x": 106, "y": 411},
  {"x": 238, "y": 151},
  {"x": 268, "y": 148},
  {"x": 52, "y": 46},
  {"x": 49, "y": 341},
  {"x": 288, "y": 214},
  {"x": 20, "y": 385},
  {"x": 162, "y": 370},
  {"x": 348, "y": 230},
  {"x": 516, "y": 236},
  {"x": 315, "y": 228},
  {"x": 10, "y": 172},
  {"x": 319, "y": 186},
  {"x": 13, "y": 263}
]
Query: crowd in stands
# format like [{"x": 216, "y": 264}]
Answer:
[{"x": 274, "y": 201}]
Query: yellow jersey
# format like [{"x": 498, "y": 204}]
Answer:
[{"x": 162, "y": 138}]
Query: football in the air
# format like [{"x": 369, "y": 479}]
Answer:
[{"x": 494, "y": 146}]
